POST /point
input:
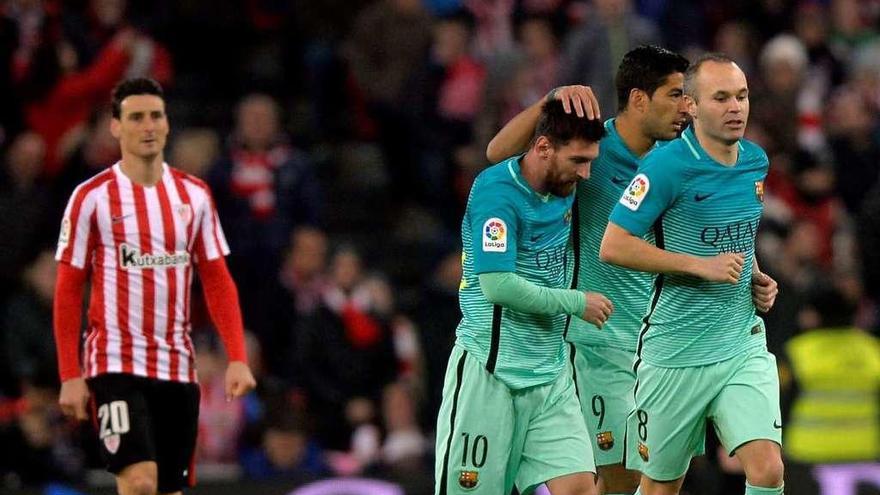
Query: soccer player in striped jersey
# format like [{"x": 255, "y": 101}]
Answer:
[
  {"x": 137, "y": 231},
  {"x": 509, "y": 414},
  {"x": 702, "y": 352}
]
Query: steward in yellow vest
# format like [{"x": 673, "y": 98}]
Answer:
[{"x": 835, "y": 415}]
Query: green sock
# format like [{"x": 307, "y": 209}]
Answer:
[{"x": 760, "y": 490}]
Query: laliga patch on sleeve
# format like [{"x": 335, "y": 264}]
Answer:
[
  {"x": 636, "y": 192},
  {"x": 495, "y": 236},
  {"x": 64, "y": 236}
]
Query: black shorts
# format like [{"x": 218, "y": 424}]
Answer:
[{"x": 141, "y": 419}]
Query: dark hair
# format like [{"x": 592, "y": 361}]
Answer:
[
  {"x": 129, "y": 87},
  {"x": 560, "y": 127},
  {"x": 690, "y": 76},
  {"x": 646, "y": 68}
]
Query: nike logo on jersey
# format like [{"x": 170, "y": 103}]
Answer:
[
  {"x": 777, "y": 425},
  {"x": 700, "y": 197},
  {"x": 619, "y": 181},
  {"x": 536, "y": 237},
  {"x": 117, "y": 219}
]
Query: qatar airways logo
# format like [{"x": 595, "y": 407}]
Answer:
[{"x": 131, "y": 257}]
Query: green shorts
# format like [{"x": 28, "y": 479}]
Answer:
[
  {"x": 490, "y": 438},
  {"x": 668, "y": 427},
  {"x": 605, "y": 380}
]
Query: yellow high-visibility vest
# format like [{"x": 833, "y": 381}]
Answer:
[{"x": 836, "y": 415}]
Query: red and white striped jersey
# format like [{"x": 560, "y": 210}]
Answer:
[{"x": 140, "y": 244}]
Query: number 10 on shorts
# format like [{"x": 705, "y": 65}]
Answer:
[{"x": 476, "y": 454}]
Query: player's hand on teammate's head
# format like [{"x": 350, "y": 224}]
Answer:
[
  {"x": 724, "y": 268},
  {"x": 73, "y": 398},
  {"x": 764, "y": 291},
  {"x": 598, "y": 310},
  {"x": 579, "y": 99},
  {"x": 239, "y": 380}
]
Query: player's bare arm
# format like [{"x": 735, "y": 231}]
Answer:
[
  {"x": 764, "y": 289},
  {"x": 515, "y": 136},
  {"x": 620, "y": 247}
]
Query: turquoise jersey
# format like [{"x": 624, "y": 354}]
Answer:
[
  {"x": 629, "y": 290},
  {"x": 697, "y": 206},
  {"x": 508, "y": 227}
]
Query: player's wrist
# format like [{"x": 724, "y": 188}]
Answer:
[
  {"x": 551, "y": 95},
  {"x": 694, "y": 265}
]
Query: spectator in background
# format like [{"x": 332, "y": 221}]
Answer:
[
  {"x": 264, "y": 187},
  {"x": 864, "y": 74},
  {"x": 811, "y": 25},
  {"x": 38, "y": 445},
  {"x": 783, "y": 64},
  {"x": 595, "y": 49},
  {"x": 436, "y": 320},
  {"x": 59, "y": 92},
  {"x": 345, "y": 354},
  {"x": 194, "y": 150},
  {"x": 404, "y": 447},
  {"x": 91, "y": 28},
  {"x": 834, "y": 397},
  {"x": 24, "y": 207},
  {"x": 389, "y": 42},
  {"x": 868, "y": 232},
  {"x": 737, "y": 39},
  {"x": 446, "y": 95},
  {"x": 286, "y": 450},
  {"x": 519, "y": 77},
  {"x": 27, "y": 324},
  {"x": 294, "y": 294},
  {"x": 851, "y": 25},
  {"x": 855, "y": 147}
]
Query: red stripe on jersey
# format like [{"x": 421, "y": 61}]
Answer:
[
  {"x": 81, "y": 195},
  {"x": 97, "y": 321},
  {"x": 126, "y": 352},
  {"x": 173, "y": 273},
  {"x": 184, "y": 196},
  {"x": 148, "y": 280}
]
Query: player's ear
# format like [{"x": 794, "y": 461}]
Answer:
[
  {"x": 638, "y": 100},
  {"x": 691, "y": 103},
  {"x": 543, "y": 147},
  {"x": 115, "y": 125}
]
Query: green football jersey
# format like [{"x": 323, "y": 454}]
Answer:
[
  {"x": 508, "y": 227},
  {"x": 698, "y": 206},
  {"x": 629, "y": 290}
]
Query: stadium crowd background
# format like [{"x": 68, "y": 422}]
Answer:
[{"x": 340, "y": 138}]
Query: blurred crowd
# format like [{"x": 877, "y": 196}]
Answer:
[{"x": 340, "y": 139}]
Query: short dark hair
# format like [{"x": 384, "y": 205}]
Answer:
[
  {"x": 690, "y": 76},
  {"x": 137, "y": 86},
  {"x": 646, "y": 68},
  {"x": 560, "y": 127}
]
